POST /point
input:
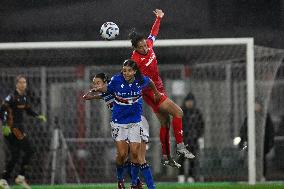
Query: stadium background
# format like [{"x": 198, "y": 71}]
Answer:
[{"x": 24, "y": 21}]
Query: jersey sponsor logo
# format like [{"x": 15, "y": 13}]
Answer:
[{"x": 152, "y": 57}]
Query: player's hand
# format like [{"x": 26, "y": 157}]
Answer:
[
  {"x": 159, "y": 13},
  {"x": 87, "y": 96},
  {"x": 6, "y": 130},
  {"x": 41, "y": 118}
]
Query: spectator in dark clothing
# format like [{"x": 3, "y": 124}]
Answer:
[
  {"x": 267, "y": 132},
  {"x": 193, "y": 128}
]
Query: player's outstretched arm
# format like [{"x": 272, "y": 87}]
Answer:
[
  {"x": 156, "y": 26},
  {"x": 31, "y": 112},
  {"x": 90, "y": 96}
]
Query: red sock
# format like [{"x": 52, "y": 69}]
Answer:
[
  {"x": 165, "y": 140},
  {"x": 177, "y": 126}
]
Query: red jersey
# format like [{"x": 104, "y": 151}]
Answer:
[{"x": 148, "y": 63}]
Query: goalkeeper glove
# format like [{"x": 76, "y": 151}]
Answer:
[
  {"x": 6, "y": 130},
  {"x": 41, "y": 118}
]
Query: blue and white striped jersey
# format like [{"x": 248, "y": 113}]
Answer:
[{"x": 128, "y": 99}]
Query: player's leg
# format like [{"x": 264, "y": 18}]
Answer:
[
  {"x": 134, "y": 137},
  {"x": 121, "y": 156},
  {"x": 26, "y": 147},
  {"x": 164, "y": 120},
  {"x": 173, "y": 109},
  {"x": 165, "y": 140},
  {"x": 144, "y": 166},
  {"x": 135, "y": 165},
  {"x": 119, "y": 135},
  {"x": 14, "y": 149}
]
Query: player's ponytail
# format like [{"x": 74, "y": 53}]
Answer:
[
  {"x": 133, "y": 65},
  {"x": 135, "y": 38},
  {"x": 102, "y": 76}
]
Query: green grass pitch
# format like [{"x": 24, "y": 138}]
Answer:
[{"x": 274, "y": 185}]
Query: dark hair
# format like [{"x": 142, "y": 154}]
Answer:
[
  {"x": 135, "y": 38},
  {"x": 133, "y": 65},
  {"x": 18, "y": 77},
  {"x": 102, "y": 76},
  {"x": 189, "y": 96}
]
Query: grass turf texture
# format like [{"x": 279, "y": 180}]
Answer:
[{"x": 274, "y": 185}]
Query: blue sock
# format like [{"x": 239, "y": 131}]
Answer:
[
  {"x": 127, "y": 168},
  {"x": 134, "y": 173},
  {"x": 119, "y": 172},
  {"x": 147, "y": 174}
]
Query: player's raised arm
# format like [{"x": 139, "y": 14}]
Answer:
[{"x": 156, "y": 26}]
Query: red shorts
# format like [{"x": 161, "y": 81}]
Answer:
[{"x": 148, "y": 97}]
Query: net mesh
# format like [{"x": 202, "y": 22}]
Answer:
[{"x": 85, "y": 153}]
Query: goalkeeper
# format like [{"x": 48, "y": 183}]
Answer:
[{"x": 16, "y": 138}]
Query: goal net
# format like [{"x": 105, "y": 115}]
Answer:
[{"x": 75, "y": 144}]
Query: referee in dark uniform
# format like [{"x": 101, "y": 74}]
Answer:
[{"x": 12, "y": 110}]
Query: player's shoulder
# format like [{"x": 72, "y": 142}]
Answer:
[
  {"x": 116, "y": 78},
  {"x": 135, "y": 56}
]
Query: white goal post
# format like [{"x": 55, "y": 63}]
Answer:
[{"x": 250, "y": 81}]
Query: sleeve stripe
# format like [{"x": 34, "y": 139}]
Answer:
[{"x": 153, "y": 38}]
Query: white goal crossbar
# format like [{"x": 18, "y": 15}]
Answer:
[{"x": 248, "y": 42}]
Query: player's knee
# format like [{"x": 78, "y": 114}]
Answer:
[
  {"x": 142, "y": 160},
  {"x": 179, "y": 113},
  {"x": 165, "y": 122},
  {"x": 135, "y": 157},
  {"x": 121, "y": 156}
]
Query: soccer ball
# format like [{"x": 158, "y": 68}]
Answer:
[{"x": 109, "y": 31}]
